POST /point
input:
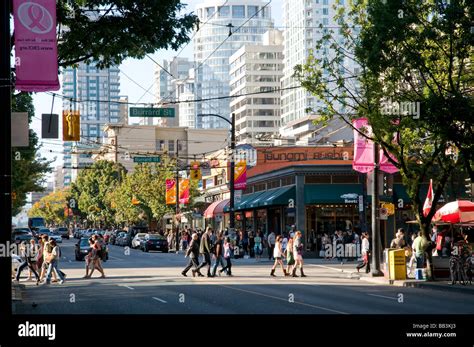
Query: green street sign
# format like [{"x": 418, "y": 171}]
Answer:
[
  {"x": 147, "y": 159},
  {"x": 151, "y": 112}
]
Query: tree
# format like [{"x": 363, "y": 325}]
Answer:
[
  {"x": 52, "y": 208},
  {"x": 108, "y": 32},
  {"x": 28, "y": 167},
  {"x": 408, "y": 52},
  {"x": 92, "y": 188}
]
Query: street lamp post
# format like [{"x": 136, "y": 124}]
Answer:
[
  {"x": 232, "y": 164},
  {"x": 375, "y": 266}
]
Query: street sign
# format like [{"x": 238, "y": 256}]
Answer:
[
  {"x": 147, "y": 159},
  {"x": 152, "y": 112}
]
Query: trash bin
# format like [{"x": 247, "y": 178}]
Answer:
[{"x": 397, "y": 264}]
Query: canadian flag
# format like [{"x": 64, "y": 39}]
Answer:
[{"x": 428, "y": 200}]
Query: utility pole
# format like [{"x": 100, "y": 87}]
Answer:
[
  {"x": 375, "y": 266},
  {"x": 6, "y": 153},
  {"x": 232, "y": 173},
  {"x": 177, "y": 196}
]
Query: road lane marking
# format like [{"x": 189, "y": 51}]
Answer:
[
  {"x": 383, "y": 296},
  {"x": 115, "y": 258},
  {"x": 129, "y": 287},
  {"x": 160, "y": 300},
  {"x": 285, "y": 300}
]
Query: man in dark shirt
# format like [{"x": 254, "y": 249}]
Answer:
[
  {"x": 205, "y": 250},
  {"x": 193, "y": 254}
]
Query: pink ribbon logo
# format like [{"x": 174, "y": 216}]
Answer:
[{"x": 35, "y": 18}]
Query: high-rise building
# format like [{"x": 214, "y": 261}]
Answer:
[
  {"x": 95, "y": 93},
  {"x": 215, "y": 42},
  {"x": 58, "y": 178},
  {"x": 257, "y": 68},
  {"x": 167, "y": 78},
  {"x": 186, "y": 95},
  {"x": 302, "y": 20}
]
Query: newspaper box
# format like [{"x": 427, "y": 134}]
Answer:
[{"x": 397, "y": 264}]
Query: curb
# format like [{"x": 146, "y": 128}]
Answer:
[{"x": 458, "y": 288}]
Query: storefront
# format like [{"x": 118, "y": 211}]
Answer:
[{"x": 215, "y": 216}]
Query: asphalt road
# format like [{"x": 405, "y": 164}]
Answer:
[{"x": 151, "y": 283}]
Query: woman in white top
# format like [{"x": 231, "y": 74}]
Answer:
[
  {"x": 365, "y": 253},
  {"x": 277, "y": 254}
]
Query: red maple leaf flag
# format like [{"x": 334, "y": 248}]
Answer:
[{"x": 428, "y": 200}]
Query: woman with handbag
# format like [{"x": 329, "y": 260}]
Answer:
[
  {"x": 290, "y": 257},
  {"x": 298, "y": 253}
]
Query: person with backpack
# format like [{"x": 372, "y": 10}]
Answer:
[
  {"x": 53, "y": 260},
  {"x": 205, "y": 250},
  {"x": 227, "y": 257},
  {"x": 218, "y": 249}
]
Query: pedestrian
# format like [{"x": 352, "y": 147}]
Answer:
[
  {"x": 227, "y": 257},
  {"x": 258, "y": 247},
  {"x": 420, "y": 244},
  {"x": 53, "y": 261},
  {"x": 205, "y": 250},
  {"x": 399, "y": 241},
  {"x": 219, "y": 250},
  {"x": 290, "y": 257},
  {"x": 298, "y": 248},
  {"x": 88, "y": 258},
  {"x": 27, "y": 255},
  {"x": 33, "y": 253},
  {"x": 284, "y": 243},
  {"x": 96, "y": 255},
  {"x": 271, "y": 244},
  {"x": 277, "y": 255},
  {"x": 365, "y": 253},
  {"x": 46, "y": 254},
  {"x": 193, "y": 254}
]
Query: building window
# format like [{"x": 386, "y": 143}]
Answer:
[
  {"x": 224, "y": 11},
  {"x": 287, "y": 181},
  {"x": 273, "y": 184},
  {"x": 170, "y": 146},
  {"x": 210, "y": 11},
  {"x": 252, "y": 11},
  {"x": 325, "y": 11},
  {"x": 238, "y": 11},
  {"x": 259, "y": 187}
]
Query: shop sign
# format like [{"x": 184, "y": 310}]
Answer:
[{"x": 350, "y": 198}]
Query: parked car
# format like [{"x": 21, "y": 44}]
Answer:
[
  {"x": 136, "y": 240},
  {"x": 64, "y": 232},
  {"x": 121, "y": 238},
  {"x": 51, "y": 235},
  {"x": 154, "y": 242},
  {"x": 20, "y": 235},
  {"x": 82, "y": 248}
]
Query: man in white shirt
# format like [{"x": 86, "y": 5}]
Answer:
[{"x": 271, "y": 245}]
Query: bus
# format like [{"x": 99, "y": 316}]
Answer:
[{"x": 35, "y": 223}]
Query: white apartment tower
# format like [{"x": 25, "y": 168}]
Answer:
[
  {"x": 302, "y": 19},
  {"x": 213, "y": 47},
  {"x": 257, "y": 68},
  {"x": 167, "y": 77}
]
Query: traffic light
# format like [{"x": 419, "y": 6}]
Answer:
[
  {"x": 71, "y": 126},
  {"x": 469, "y": 186},
  {"x": 195, "y": 171}
]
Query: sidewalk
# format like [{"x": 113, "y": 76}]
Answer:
[
  {"x": 349, "y": 269},
  {"x": 16, "y": 294}
]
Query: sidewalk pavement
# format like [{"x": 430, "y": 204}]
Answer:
[
  {"x": 350, "y": 270},
  {"x": 16, "y": 294}
]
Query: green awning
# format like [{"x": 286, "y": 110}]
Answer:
[
  {"x": 332, "y": 193},
  {"x": 244, "y": 202},
  {"x": 279, "y": 196}
]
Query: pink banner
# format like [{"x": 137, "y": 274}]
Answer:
[
  {"x": 386, "y": 165},
  {"x": 36, "y": 49},
  {"x": 363, "y": 148}
]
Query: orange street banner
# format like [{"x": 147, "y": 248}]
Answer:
[
  {"x": 71, "y": 126},
  {"x": 240, "y": 175},
  {"x": 184, "y": 191}
]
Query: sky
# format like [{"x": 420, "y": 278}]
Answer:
[{"x": 141, "y": 71}]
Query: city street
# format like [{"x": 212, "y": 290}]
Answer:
[{"x": 151, "y": 283}]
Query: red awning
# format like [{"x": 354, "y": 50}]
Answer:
[
  {"x": 220, "y": 207},
  {"x": 217, "y": 207}
]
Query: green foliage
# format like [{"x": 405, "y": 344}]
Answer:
[
  {"x": 51, "y": 208},
  {"x": 108, "y": 32},
  {"x": 28, "y": 169},
  {"x": 92, "y": 188},
  {"x": 408, "y": 52}
]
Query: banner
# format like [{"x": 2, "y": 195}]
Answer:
[
  {"x": 364, "y": 151},
  {"x": 183, "y": 191},
  {"x": 36, "y": 51},
  {"x": 363, "y": 148},
  {"x": 240, "y": 175},
  {"x": 71, "y": 126}
]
